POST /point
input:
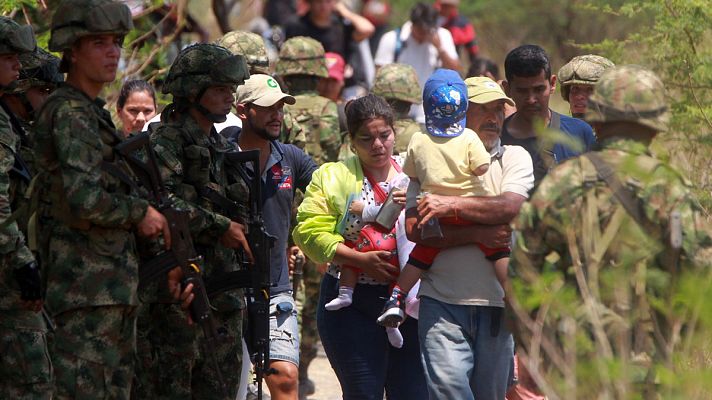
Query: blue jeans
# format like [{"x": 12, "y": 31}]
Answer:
[
  {"x": 358, "y": 349},
  {"x": 463, "y": 359}
]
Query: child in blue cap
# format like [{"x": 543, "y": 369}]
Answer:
[{"x": 447, "y": 160}]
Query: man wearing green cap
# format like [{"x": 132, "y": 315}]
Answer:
[
  {"x": 461, "y": 285},
  {"x": 86, "y": 216},
  {"x": 25, "y": 371}
]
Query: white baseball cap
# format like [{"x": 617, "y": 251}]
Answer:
[{"x": 262, "y": 90}]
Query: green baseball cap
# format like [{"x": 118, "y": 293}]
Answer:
[{"x": 483, "y": 90}]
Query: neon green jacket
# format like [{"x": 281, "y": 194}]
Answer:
[{"x": 321, "y": 216}]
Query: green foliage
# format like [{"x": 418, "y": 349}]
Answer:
[
  {"x": 676, "y": 45},
  {"x": 8, "y": 6}
]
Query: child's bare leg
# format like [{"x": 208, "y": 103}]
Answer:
[
  {"x": 347, "y": 282},
  {"x": 501, "y": 266},
  {"x": 394, "y": 309},
  {"x": 394, "y": 337},
  {"x": 408, "y": 278}
]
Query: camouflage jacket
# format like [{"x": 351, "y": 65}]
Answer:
[
  {"x": 87, "y": 214},
  {"x": 190, "y": 161},
  {"x": 13, "y": 251},
  {"x": 319, "y": 117},
  {"x": 601, "y": 284},
  {"x": 405, "y": 128}
]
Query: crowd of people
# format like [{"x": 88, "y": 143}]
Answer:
[{"x": 415, "y": 200}]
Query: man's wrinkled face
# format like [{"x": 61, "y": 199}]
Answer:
[
  {"x": 266, "y": 121},
  {"x": 578, "y": 98},
  {"x": 487, "y": 120},
  {"x": 9, "y": 68},
  {"x": 531, "y": 94}
]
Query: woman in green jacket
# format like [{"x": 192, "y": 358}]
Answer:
[{"x": 356, "y": 346}]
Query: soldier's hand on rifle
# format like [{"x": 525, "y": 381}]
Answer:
[
  {"x": 153, "y": 224},
  {"x": 292, "y": 254},
  {"x": 234, "y": 238},
  {"x": 185, "y": 295},
  {"x": 376, "y": 265}
]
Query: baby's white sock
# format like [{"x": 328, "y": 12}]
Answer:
[
  {"x": 343, "y": 300},
  {"x": 395, "y": 337}
]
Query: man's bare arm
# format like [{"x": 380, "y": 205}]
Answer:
[
  {"x": 493, "y": 236},
  {"x": 489, "y": 210}
]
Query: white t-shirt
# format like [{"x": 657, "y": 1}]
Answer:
[
  {"x": 421, "y": 56},
  {"x": 462, "y": 275}
]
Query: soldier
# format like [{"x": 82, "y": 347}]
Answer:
[
  {"x": 191, "y": 159},
  {"x": 252, "y": 47},
  {"x": 398, "y": 84},
  {"x": 25, "y": 371},
  {"x": 301, "y": 64},
  {"x": 609, "y": 236},
  {"x": 577, "y": 79},
  {"x": 86, "y": 215}
]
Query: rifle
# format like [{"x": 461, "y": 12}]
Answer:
[
  {"x": 255, "y": 278},
  {"x": 182, "y": 253},
  {"x": 298, "y": 273}
]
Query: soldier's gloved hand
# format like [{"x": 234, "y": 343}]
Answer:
[{"x": 30, "y": 282}]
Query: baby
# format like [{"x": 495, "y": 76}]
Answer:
[{"x": 447, "y": 160}]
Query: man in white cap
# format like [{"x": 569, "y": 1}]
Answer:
[
  {"x": 283, "y": 168},
  {"x": 462, "y": 301}
]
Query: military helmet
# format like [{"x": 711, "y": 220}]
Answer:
[
  {"x": 302, "y": 55},
  {"x": 74, "y": 19},
  {"x": 399, "y": 82},
  {"x": 39, "y": 68},
  {"x": 629, "y": 93},
  {"x": 202, "y": 65},
  {"x": 582, "y": 70},
  {"x": 249, "y": 45},
  {"x": 15, "y": 38}
]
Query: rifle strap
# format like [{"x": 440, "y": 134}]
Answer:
[
  {"x": 119, "y": 174},
  {"x": 621, "y": 193},
  {"x": 217, "y": 199}
]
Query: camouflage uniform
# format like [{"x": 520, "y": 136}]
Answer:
[
  {"x": 581, "y": 70},
  {"x": 302, "y": 56},
  {"x": 252, "y": 47},
  {"x": 86, "y": 217},
  {"x": 191, "y": 161},
  {"x": 607, "y": 315},
  {"x": 399, "y": 82},
  {"x": 25, "y": 370}
]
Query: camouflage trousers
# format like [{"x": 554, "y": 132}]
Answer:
[
  {"x": 93, "y": 350},
  {"x": 25, "y": 370},
  {"x": 172, "y": 363},
  {"x": 309, "y": 297}
]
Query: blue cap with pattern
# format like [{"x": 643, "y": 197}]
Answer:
[{"x": 445, "y": 103}]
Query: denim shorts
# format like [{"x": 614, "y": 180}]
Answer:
[{"x": 283, "y": 328}]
